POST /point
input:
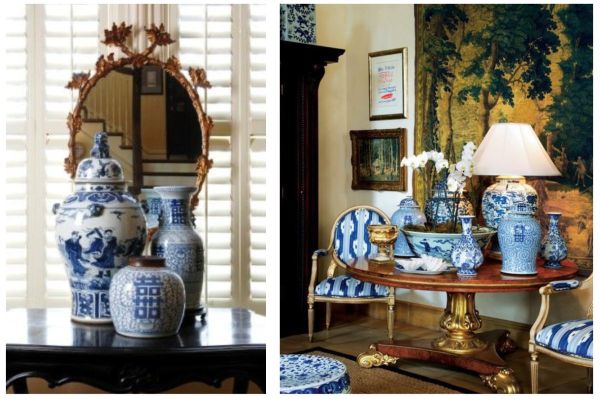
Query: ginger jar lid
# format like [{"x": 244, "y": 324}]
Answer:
[
  {"x": 408, "y": 202},
  {"x": 99, "y": 167}
]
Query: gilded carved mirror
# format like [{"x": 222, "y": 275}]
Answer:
[{"x": 152, "y": 113}]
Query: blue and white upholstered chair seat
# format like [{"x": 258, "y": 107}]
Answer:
[
  {"x": 349, "y": 240},
  {"x": 312, "y": 374},
  {"x": 570, "y": 341}
]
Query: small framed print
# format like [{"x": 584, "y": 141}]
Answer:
[
  {"x": 376, "y": 156},
  {"x": 152, "y": 79},
  {"x": 388, "y": 81}
]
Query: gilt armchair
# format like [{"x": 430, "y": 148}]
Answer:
[
  {"x": 570, "y": 341},
  {"x": 349, "y": 239}
]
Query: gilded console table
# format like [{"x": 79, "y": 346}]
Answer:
[
  {"x": 459, "y": 345},
  {"x": 44, "y": 343}
]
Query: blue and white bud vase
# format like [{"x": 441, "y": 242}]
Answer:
[
  {"x": 553, "y": 247},
  {"x": 179, "y": 244},
  {"x": 408, "y": 213},
  {"x": 147, "y": 299},
  {"x": 98, "y": 227},
  {"x": 519, "y": 235},
  {"x": 466, "y": 254}
]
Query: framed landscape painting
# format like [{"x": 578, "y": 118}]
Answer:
[
  {"x": 470, "y": 74},
  {"x": 376, "y": 156}
]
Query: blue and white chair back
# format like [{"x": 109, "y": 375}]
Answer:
[{"x": 351, "y": 237}]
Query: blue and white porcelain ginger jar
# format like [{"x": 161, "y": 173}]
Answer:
[
  {"x": 98, "y": 227},
  {"x": 180, "y": 245},
  {"x": 553, "y": 246},
  {"x": 466, "y": 254},
  {"x": 147, "y": 299},
  {"x": 499, "y": 198},
  {"x": 519, "y": 235},
  {"x": 439, "y": 208},
  {"x": 408, "y": 213}
]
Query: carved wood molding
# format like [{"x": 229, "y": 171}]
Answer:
[{"x": 117, "y": 37}]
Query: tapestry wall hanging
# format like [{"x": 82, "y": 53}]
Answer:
[{"x": 481, "y": 64}]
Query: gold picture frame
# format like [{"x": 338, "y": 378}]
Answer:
[
  {"x": 387, "y": 71},
  {"x": 376, "y": 157}
]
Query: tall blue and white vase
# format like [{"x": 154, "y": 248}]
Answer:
[
  {"x": 553, "y": 247},
  {"x": 179, "y": 244},
  {"x": 466, "y": 254},
  {"x": 408, "y": 213},
  {"x": 98, "y": 227},
  {"x": 439, "y": 208},
  {"x": 519, "y": 235},
  {"x": 147, "y": 299}
]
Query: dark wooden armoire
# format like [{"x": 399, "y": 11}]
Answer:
[{"x": 302, "y": 68}]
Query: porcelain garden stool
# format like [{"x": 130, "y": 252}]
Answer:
[{"x": 312, "y": 374}]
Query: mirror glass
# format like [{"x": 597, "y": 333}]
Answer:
[{"x": 153, "y": 105}]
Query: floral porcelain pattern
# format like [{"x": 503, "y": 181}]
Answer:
[
  {"x": 309, "y": 374},
  {"x": 178, "y": 243},
  {"x": 519, "y": 235},
  {"x": 553, "y": 246},
  {"x": 408, "y": 213},
  {"x": 147, "y": 302},
  {"x": 98, "y": 227},
  {"x": 297, "y": 23},
  {"x": 466, "y": 254}
]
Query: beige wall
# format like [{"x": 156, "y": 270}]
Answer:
[{"x": 344, "y": 106}]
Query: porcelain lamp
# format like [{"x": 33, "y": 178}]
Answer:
[{"x": 510, "y": 151}]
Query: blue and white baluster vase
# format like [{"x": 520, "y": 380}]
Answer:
[
  {"x": 98, "y": 227},
  {"x": 180, "y": 245},
  {"x": 553, "y": 247},
  {"x": 519, "y": 235},
  {"x": 466, "y": 254},
  {"x": 147, "y": 299},
  {"x": 408, "y": 213}
]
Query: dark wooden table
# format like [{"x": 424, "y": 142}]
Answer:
[
  {"x": 459, "y": 345},
  {"x": 44, "y": 343}
]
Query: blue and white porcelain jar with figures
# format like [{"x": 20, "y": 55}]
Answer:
[
  {"x": 466, "y": 254},
  {"x": 519, "y": 235},
  {"x": 147, "y": 299},
  {"x": 408, "y": 213},
  {"x": 553, "y": 247},
  {"x": 180, "y": 245},
  {"x": 440, "y": 207},
  {"x": 98, "y": 227}
]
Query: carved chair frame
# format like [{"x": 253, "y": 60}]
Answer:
[{"x": 117, "y": 37}]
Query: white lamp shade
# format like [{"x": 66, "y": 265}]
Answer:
[{"x": 512, "y": 149}]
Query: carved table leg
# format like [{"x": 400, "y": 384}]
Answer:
[
  {"x": 373, "y": 358},
  {"x": 504, "y": 381}
]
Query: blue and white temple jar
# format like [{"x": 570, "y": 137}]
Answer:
[
  {"x": 178, "y": 242},
  {"x": 439, "y": 208},
  {"x": 519, "y": 235},
  {"x": 151, "y": 203},
  {"x": 98, "y": 227},
  {"x": 499, "y": 198},
  {"x": 553, "y": 247},
  {"x": 408, "y": 213},
  {"x": 466, "y": 254},
  {"x": 147, "y": 299}
]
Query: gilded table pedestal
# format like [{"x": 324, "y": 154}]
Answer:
[{"x": 459, "y": 345}]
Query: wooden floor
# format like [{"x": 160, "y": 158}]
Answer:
[{"x": 354, "y": 337}]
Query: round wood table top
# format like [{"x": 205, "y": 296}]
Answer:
[{"x": 488, "y": 278}]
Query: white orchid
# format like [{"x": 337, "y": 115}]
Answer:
[{"x": 441, "y": 164}]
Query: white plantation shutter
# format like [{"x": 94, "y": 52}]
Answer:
[
  {"x": 17, "y": 126},
  {"x": 257, "y": 155}
]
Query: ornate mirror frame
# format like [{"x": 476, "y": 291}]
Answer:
[{"x": 157, "y": 36}]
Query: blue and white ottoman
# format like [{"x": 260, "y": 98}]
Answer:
[{"x": 312, "y": 374}]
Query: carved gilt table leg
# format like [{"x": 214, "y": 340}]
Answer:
[
  {"x": 374, "y": 358},
  {"x": 460, "y": 320}
]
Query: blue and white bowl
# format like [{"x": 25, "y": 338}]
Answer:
[
  {"x": 147, "y": 299},
  {"x": 440, "y": 245},
  {"x": 312, "y": 374}
]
